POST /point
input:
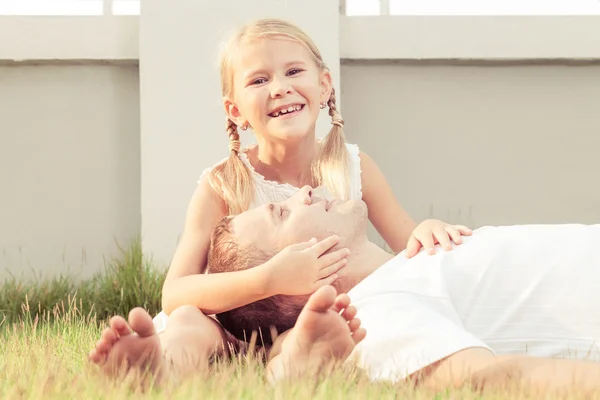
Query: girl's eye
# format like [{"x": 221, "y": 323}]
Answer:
[
  {"x": 294, "y": 71},
  {"x": 258, "y": 81}
]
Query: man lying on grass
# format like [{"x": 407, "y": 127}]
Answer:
[
  {"x": 469, "y": 315},
  {"x": 503, "y": 306}
]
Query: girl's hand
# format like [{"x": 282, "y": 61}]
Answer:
[
  {"x": 431, "y": 232},
  {"x": 302, "y": 268}
]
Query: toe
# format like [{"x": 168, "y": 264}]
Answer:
[
  {"x": 341, "y": 302},
  {"x": 359, "y": 334},
  {"x": 96, "y": 357},
  {"x": 141, "y": 322},
  {"x": 120, "y": 326},
  {"x": 354, "y": 324},
  {"x": 103, "y": 347},
  {"x": 349, "y": 313},
  {"x": 109, "y": 335},
  {"x": 321, "y": 300}
]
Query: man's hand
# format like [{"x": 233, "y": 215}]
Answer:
[
  {"x": 302, "y": 268},
  {"x": 431, "y": 232}
]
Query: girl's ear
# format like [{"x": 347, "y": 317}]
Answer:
[
  {"x": 233, "y": 112},
  {"x": 326, "y": 85}
]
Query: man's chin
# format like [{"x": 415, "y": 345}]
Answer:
[{"x": 348, "y": 207}]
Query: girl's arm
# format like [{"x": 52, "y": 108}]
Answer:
[
  {"x": 385, "y": 212},
  {"x": 394, "y": 224},
  {"x": 186, "y": 282}
]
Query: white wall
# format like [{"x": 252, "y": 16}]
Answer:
[
  {"x": 480, "y": 143},
  {"x": 78, "y": 172},
  {"x": 69, "y": 166}
]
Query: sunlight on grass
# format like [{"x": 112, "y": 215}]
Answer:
[
  {"x": 48, "y": 328},
  {"x": 45, "y": 357}
]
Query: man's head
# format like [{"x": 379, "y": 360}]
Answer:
[{"x": 253, "y": 237}]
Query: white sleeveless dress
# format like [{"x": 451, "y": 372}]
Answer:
[{"x": 267, "y": 191}]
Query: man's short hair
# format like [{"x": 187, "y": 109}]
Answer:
[{"x": 278, "y": 312}]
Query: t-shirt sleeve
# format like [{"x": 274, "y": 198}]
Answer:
[
  {"x": 410, "y": 319},
  {"x": 406, "y": 333}
]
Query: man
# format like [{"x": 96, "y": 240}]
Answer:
[{"x": 495, "y": 308}]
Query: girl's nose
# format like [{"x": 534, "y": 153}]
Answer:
[{"x": 279, "y": 88}]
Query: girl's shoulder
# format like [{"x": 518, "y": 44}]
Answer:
[{"x": 207, "y": 170}]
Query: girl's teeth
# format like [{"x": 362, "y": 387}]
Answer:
[{"x": 285, "y": 111}]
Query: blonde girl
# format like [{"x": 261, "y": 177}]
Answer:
[{"x": 275, "y": 83}]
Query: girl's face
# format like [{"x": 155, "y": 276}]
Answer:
[{"x": 277, "y": 89}]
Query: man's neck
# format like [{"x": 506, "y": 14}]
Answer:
[
  {"x": 364, "y": 259},
  {"x": 283, "y": 163}
]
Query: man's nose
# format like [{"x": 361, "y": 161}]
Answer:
[{"x": 305, "y": 195}]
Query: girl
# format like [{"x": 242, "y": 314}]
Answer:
[{"x": 274, "y": 81}]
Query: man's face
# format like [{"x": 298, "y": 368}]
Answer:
[{"x": 274, "y": 226}]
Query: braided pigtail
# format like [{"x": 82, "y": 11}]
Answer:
[
  {"x": 333, "y": 159},
  {"x": 233, "y": 179}
]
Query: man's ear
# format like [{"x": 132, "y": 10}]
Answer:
[{"x": 326, "y": 84}]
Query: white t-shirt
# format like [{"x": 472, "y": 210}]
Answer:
[{"x": 529, "y": 289}]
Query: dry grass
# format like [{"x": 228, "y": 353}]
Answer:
[
  {"x": 48, "y": 328},
  {"x": 45, "y": 357}
]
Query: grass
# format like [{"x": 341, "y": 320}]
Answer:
[
  {"x": 127, "y": 281},
  {"x": 48, "y": 327},
  {"x": 45, "y": 358}
]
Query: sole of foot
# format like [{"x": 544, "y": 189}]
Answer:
[
  {"x": 129, "y": 346},
  {"x": 327, "y": 331}
]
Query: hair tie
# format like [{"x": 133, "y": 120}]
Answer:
[
  {"x": 338, "y": 122},
  {"x": 234, "y": 145}
]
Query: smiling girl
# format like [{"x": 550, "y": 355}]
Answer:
[{"x": 274, "y": 82}]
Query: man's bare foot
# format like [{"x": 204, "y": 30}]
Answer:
[
  {"x": 125, "y": 346},
  {"x": 321, "y": 336}
]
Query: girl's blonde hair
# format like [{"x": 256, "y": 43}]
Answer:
[{"x": 232, "y": 178}]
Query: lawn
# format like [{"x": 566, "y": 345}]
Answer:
[
  {"x": 48, "y": 360},
  {"x": 48, "y": 327}
]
